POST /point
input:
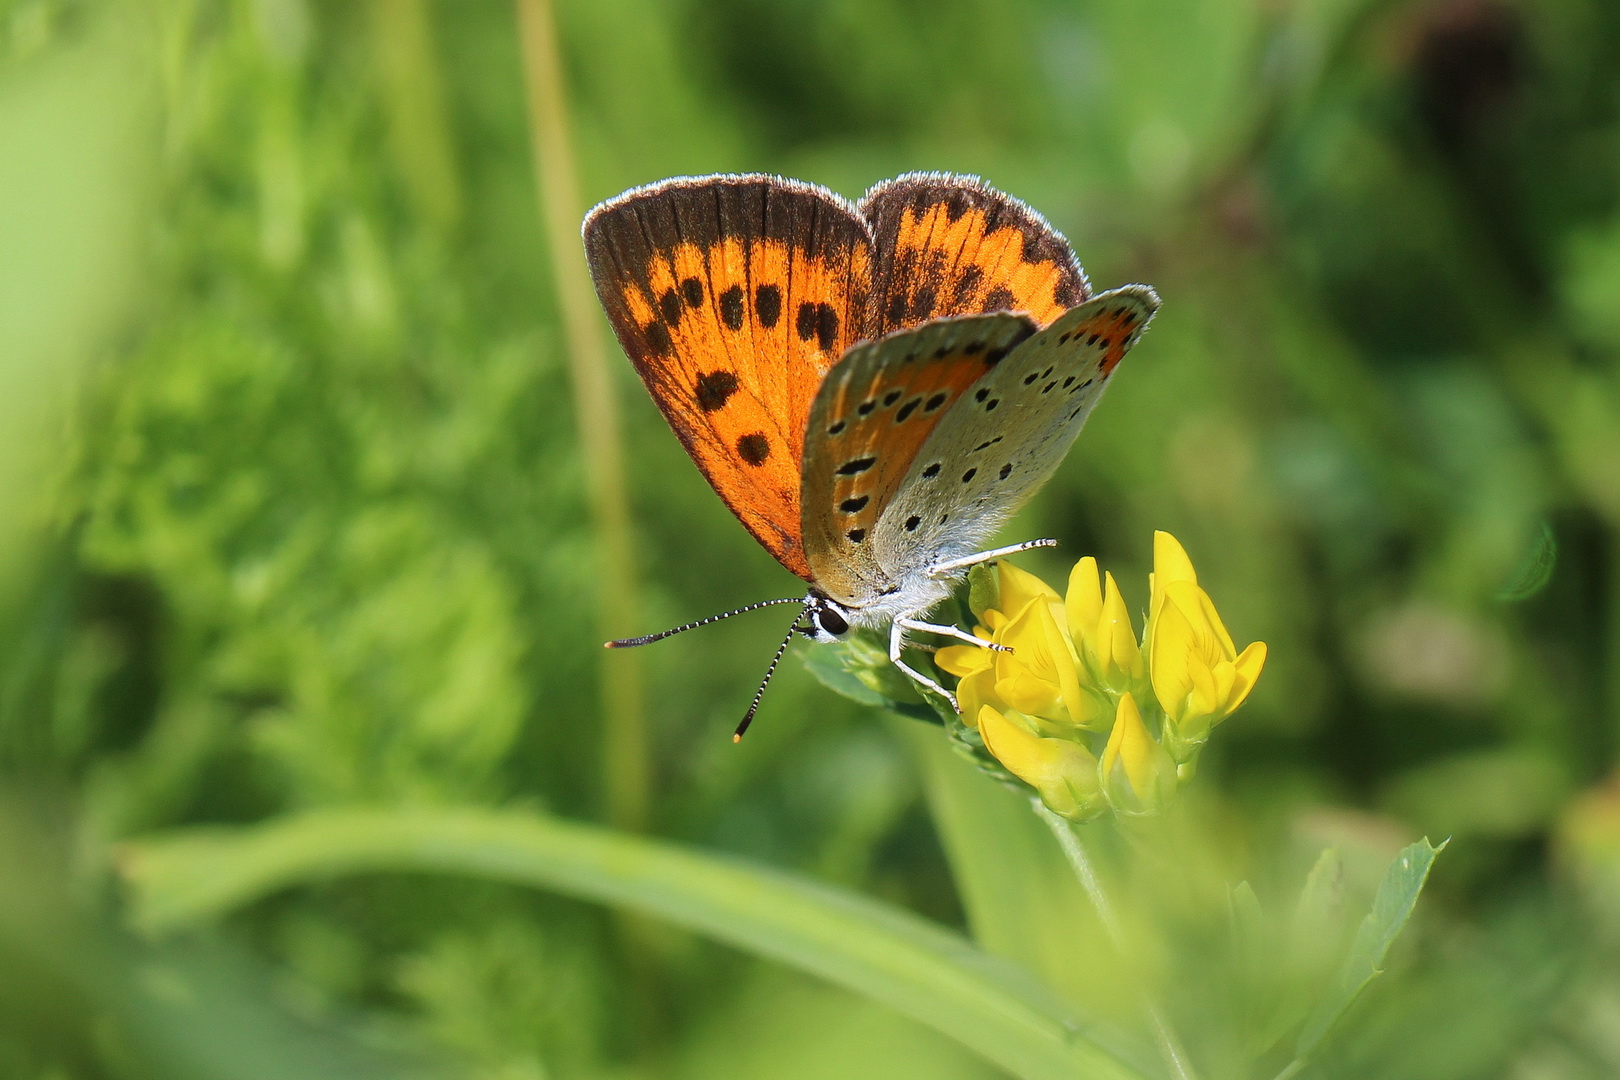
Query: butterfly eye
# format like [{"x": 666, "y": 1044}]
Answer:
[{"x": 832, "y": 622}]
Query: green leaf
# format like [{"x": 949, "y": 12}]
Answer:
[
  {"x": 1392, "y": 907},
  {"x": 859, "y": 668},
  {"x": 907, "y": 963},
  {"x": 1535, "y": 570},
  {"x": 829, "y": 668}
]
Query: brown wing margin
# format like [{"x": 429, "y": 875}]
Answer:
[
  {"x": 732, "y": 296},
  {"x": 952, "y": 245}
]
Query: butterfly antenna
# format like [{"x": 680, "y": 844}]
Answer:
[
  {"x": 748, "y": 718},
  {"x": 631, "y": 642}
]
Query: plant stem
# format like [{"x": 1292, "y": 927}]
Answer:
[
  {"x": 624, "y": 749},
  {"x": 1175, "y": 1055}
]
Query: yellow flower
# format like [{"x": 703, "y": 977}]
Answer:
[
  {"x": 1064, "y": 773},
  {"x": 1076, "y": 683},
  {"x": 1039, "y": 677},
  {"x": 1137, "y": 774},
  {"x": 1198, "y": 675}
]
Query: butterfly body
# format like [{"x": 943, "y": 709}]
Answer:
[{"x": 872, "y": 388}]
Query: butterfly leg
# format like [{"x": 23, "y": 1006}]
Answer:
[
  {"x": 951, "y": 632},
  {"x": 897, "y": 645},
  {"x": 946, "y": 569}
]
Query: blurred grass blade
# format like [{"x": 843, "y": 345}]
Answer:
[
  {"x": 896, "y": 958},
  {"x": 76, "y": 156},
  {"x": 1392, "y": 907},
  {"x": 624, "y": 735}
]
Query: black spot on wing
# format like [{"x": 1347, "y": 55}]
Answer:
[
  {"x": 999, "y": 298},
  {"x": 896, "y": 311},
  {"x": 855, "y": 505},
  {"x": 855, "y": 466},
  {"x": 692, "y": 292},
  {"x": 670, "y": 307},
  {"x": 826, "y": 326},
  {"x": 731, "y": 307},
  {"x": 965, "y": 287},
  {"x": 768, "y": 305},
  {"x": 715, "y": 389},
  {"x": 658, "y": 340},
  {"x": 922, "y": 303},
  {"x": 754, "y": 448}
]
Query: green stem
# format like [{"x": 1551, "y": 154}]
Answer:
[
  {"x": 624, "y": 741},
  {"x": 1175, "y": 1055},
  {"x": 886, "y": 953}
]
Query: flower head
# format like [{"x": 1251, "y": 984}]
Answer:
[
  {"x": 1078, "y": 708},
  {"x": 1198, "y": 675}
]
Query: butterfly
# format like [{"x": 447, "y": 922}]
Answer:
[{"x": 872, "y": 388}]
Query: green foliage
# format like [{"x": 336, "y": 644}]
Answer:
[
  {"x": 293, "y": 522},
  {"x": 1397, "y": 895}
]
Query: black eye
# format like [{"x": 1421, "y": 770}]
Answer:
[{"x": 832, "y": 622}]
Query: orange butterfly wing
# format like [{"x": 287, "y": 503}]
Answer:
[
  {"x": 733, "y": 296},
  {"x": 951, "y": 245}
]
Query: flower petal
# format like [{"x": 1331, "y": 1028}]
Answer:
[
  {"x": 1137, "y": 773},
  {"x": 964, "y": 660},
  {"x": 1083, "y": 603},
  {"x": 1171, "y": 657},
  {"x": 1019, "y": 587},
  {"x": 1119, "y": 658},
  {"x": 1063, "y": 772},
  {"x": 1247, "y": 669}
]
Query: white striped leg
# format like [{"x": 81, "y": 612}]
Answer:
[
  {"x": 952, "y": 632},
  {"x": 945, "y": 569},
  {"x": 897, "y": 644}
]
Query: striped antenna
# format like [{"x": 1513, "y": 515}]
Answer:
[
  {"x": 632, "y": 642},
  {"x": 777, "y": 659}
]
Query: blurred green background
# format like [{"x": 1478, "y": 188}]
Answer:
[{"x": 294, "y": 513}]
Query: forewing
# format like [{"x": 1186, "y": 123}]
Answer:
[
  {"x": 1006, "y": 437},
  {"x": 733, "y": 296},
  {"x": 875, "y": 410},
  {"x": 952, "y": 245}
]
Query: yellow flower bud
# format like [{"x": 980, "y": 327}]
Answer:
[
  {"x": 1063, "y": 772},
  {"x": 1138, "y": 776},
  {"x": 1103, "y": 635},
  {"x": 1083, "y": 602}
]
